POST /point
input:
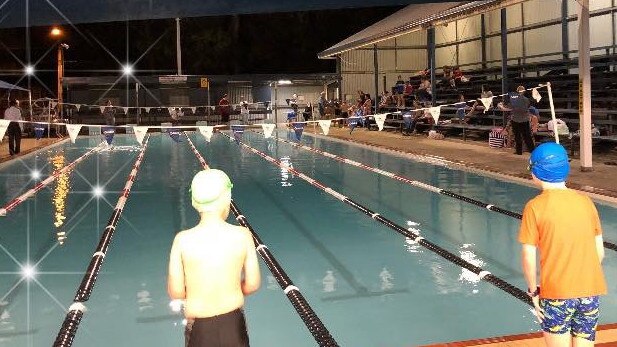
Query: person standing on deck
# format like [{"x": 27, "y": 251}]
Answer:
[
  {"x": 212, "y": 267},
  {"x": 109, "y": 113},
  {"x": 14, "y": 130},
  {"x": 519, "y": 105},
  {"x": 571, "y": 252},
  {"x": 225, "y": 109}
]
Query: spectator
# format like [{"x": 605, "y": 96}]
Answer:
[
  {"x": 518, "y": 104},
  {"x": 386, "y": 100},
  {"x": 447, "y": 79},
  {"x": 321, "y": 105},
  {"x": 308, "y": 112},
  {"x": 212, "y": 267},
  {"x": 367, "y": 108},
  {"x": 424, "y": 92},
  {"x": 461, "y": 107},
  {"x": 244, "y": 112},
  {"x": 458, "y": 77},
  {"x": 399, "y": 89},
  {"x": 478, "y": 106},
  {"x": 109, "y": 113},
  {"x": 14, "y": 130},
  {"x": 408, "y": 93},
  {"x": 361, "y": 97},
  {"x": 534, "y": 121},
  {"x": 176, "y": 114},
  {"x": 565, "y": 227},
  {"x": 225, "y": 109}
]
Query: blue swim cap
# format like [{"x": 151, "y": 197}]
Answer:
[{"x": 549, "y": 162}]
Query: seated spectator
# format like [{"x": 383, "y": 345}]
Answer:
[
  {"x": 478, "y": 106},
  {"x": 408, "y": 94},
  {"x": 386, "y": 100},
  {"x": 458, "y": 76},
  {"x": 534, "y": 121},
  {"x": 308, "y": 112},
  {"x": 367, "y": 106},
  {"x": 447, "y": 79},
  {"x": 424, "y": 92}
]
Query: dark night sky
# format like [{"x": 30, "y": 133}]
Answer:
[{"x": 46, "y": 12}]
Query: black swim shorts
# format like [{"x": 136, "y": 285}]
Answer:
[{"x": 225, "y": 330}]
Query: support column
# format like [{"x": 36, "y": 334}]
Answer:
[
  {"x": 565, "y": 39},
  {"x": 178, "y": 47},
  {"x": 584, "y": 84},
  {"x": 504, "y": 51},
  {"x": 483, "y": 39},
  {"x": 339, "y": 77},
  {"x": 430, "y": 38},
  {"x": 376, "y": 73}
]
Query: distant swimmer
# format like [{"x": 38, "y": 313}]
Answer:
[{"x": 212, "y": 267}]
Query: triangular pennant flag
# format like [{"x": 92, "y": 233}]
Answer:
[
  {"x": 170, "y": 110},
  {"x": 147, "y": 109},
  {"x": 435, "y": 112},
  {"x": 325, "y": 126},
  {"x": 206, "y": 131},
  {"x": 73, "y": 130},
  {"x": 486, "y": 102},
  {"x": 268, "y": 129},
  {"x": 380, "y": 119},
  {"x": 174, "y": 133},
  {"x": 126, "y": 110},
  {"x": 78, "y": 106},
  {"x": 39, "y": 130},
  {"x": 535, "y": 94},
  {"x": 193, "y": 109},
  {"x": 53, "y": 104},
  {"x": 237, "y": 130},
  {"x": 140, "y": 133},
  {"x": 102, "y": 108},
  {"x": 4, "y": 124},
  {"x": 108, "y": 132},
  {"x": 298, "y": 129}
]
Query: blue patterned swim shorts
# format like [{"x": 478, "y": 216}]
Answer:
[{"x": 577, "y": 316}]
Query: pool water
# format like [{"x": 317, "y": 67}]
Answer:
[{"x": 369, "y": 285}]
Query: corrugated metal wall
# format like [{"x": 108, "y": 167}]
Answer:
[{"x": 402, "y": 56}]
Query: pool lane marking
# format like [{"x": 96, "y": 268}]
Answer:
[
  {"x": 418, "y": 184},
  {"x": 414, "y": 236},
  {"x": 300, "y": 304},
  {"x": 71, "y": 322},
  {"x": 31, "y": 192}
]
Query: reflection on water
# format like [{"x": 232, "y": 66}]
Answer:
[
  {"x": 59, "y": 197},
  {"x": 144, "y": 299},
  {"x": 386, "y": 279},
  {"x": 328, "y": 282},
  {"x": 272, "y": 284},
  {"x": 285, "y": 175},
  {"x": 471, "y": 257}
]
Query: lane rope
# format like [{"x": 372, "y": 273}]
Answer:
[
  {"x": 315, "y": 326},
  {"x": 414, "y": 236}
]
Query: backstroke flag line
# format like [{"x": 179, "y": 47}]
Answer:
[
  {"x": 4, "y": 124},
  {"x": 206, "y": 131},
  {"x": 140, "y": 133},
  {"x": 325, "y": 126},
  {"x": 380, "y": 119},
  {"x": 268, "y": 129},
  {"x": 73, "y": 130}
]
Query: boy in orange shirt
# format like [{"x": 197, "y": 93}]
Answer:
[{"x": 565, "y": 227}]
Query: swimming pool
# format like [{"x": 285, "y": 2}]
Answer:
[{"x": 369, "y": 285}]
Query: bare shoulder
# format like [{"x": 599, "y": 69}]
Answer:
[{"x": 242, "y": 232}]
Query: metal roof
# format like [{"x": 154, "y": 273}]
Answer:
[
  {"x": 413, "y": 18},
  {"x": 5, "y": 85}
]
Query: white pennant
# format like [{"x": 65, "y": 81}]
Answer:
[
  {"x": 536, "y": 94},
  {"x": 193, "y": 109},
  {"x": 140, "y": 133},
  {"x": 325, "y": 126},
  {"x": 486, "y": 102},
  {"x": 206, "y": 131},
  {"x": 380, "y": 119},
  {"x": 147, "y": 109},
  {"x": 170, "y": 109},
  {"x": 78, "y": 106},
  {"x": 212, "y": 108},
  {"x": 53, "y": 104},
  {"x": 4, "y": 124},
  {"x": 435, "y": 112},
  {"x": 126, "y": 110},
  {"x": 102, "y": 108},
  {"x": 73, "y": 130},
  {"x": 268, "y": 129}
]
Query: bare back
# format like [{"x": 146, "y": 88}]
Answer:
[{"x": 214, "y": 260}]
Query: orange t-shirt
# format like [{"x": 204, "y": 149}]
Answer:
[{"x": 563, "y": 224}]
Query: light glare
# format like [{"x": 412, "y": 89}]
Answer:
[
  {"x": 127, "y": 69},
  {"x": 284, "y": 82},
  {"x": 29, "y": 70},
  {"x": 56, "y": 32},
  {"x": 36, "y": 174},
  {"x": 28, "y": 271},
  {"x": 98, "y": 191}
]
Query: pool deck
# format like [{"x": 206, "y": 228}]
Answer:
[
  {"x": 606, "y": 337},
  {"x": 28, "y": 145},
  {"x": 478, "y": 156}
]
